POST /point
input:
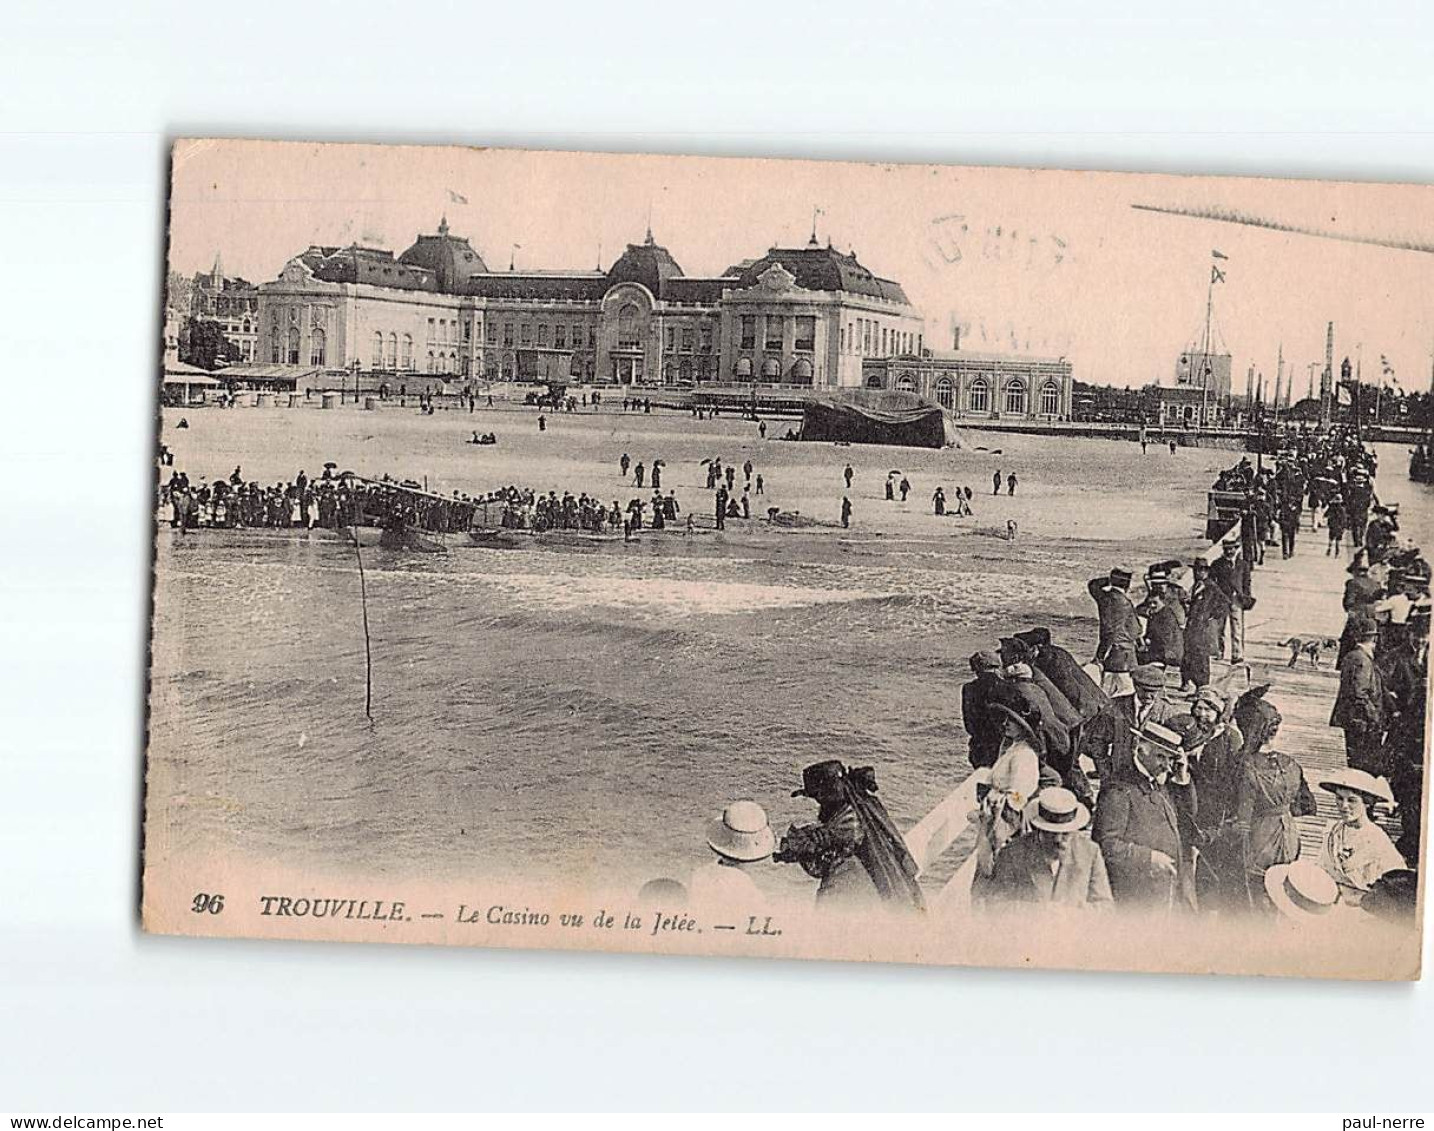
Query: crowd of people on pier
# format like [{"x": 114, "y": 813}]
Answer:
[{"x": 1135, "y": 781}]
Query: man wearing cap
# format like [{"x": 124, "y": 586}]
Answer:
[
  {"x": 1054, "y": 862},
  {"x": 1108, "y": 741},
  {"x": 1209, "y": 609},
  {"x": 1164, "y": 628},
  {"x": 1231, "y": 575},
  {"x": 1119, "y": 630},
  {"x": 1360, "y": 707},
  {"x": 979, "y": 696},
  {"x": 1144, "y": 824}
]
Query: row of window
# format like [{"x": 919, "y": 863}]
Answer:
[
  {"x": 978, "y": 394},
  {"x": 391, "y": 352},
  {"x": 869, "y": 338},
  {"x": 770, "y": 369},
  {"x": 804, "y": 332},
  {"x": 689, "y": 339},
  {"x": 284, "y": 348}
]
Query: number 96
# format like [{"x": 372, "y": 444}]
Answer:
[{"x": 205, "y": 902}]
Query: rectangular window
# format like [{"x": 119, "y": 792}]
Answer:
[
  {"x": 706, "y": 339},
  {"x": 592, "y": 337},
  {"x": 884, "y": 350},
  {"x": 542, "y": 333},
  {"x": 560, "y": 336},
  {"x": 749, "y": 331},
  {"x": 525, "y": 333},
  {"x": 507, "y": 333},
  {"x": 773, "y": 334},
  {"x": 431, "y": 329},
  {"x": 467, "y": 331},
  {"x": 865, "y": 337},
  {"x": 687, "y": 339},
  {"x": 491, "y": 333},
  {"x": 671, "y": 338},
  {"x": 806, "y": 333}
]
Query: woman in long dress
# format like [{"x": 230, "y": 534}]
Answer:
[
  {"x": 1272, "y": 792},
  {"x": 1356, "y": 850}
]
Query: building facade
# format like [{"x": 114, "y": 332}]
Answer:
[
  {"x": 230, "y": 301},
  {"x": 804, "y": 317},
  {"x": 989, "y": 386},
  {"x": 797, "y": 316}
]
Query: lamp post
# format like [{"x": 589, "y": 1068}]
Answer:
[{"x": 354, "y": 365}]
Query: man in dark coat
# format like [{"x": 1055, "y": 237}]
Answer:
[
  {"x": 1360, "y": 707},
  {"x": 983, "y": 723},
  {"x": 1144, "y": 825},
  {"x": 1231, "y": 575},
  {"x": 1361, "y": 594},
  {"x": 1014, "y": 650},
  {"x": 1109, "y": 740},
  {"x": 1164, "y": 629},
  {"x": 1057, "y": 739},
  {"x": 1209, "y": 609},
  {"x": 1119, "y": 628},
  {"x": 1061, "y": 668}
]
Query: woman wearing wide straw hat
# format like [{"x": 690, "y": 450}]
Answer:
[
  {"x": 740, "y": 838},
  {"x": 1015, "y": 777},
  {"x": 1356, "y": 850}
]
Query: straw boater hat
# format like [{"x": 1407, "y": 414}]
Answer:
[
  {"x": 1056, "y": 810},
  {"x": 1302, "y": 890},
  {"x": 1358, "y": 781},
  {"x": 742, "y": 833},
  {"x": 1157, "y": 734}
]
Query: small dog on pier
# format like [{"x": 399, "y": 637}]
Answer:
[{"x": 1310, "y": 646}]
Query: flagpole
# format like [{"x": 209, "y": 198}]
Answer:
[{"x": 1205, "y": 350}]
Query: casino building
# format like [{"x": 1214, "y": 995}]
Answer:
[{"x": 805, "y": 317}]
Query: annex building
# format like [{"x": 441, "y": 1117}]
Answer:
[{"x": 801, "y": 317}]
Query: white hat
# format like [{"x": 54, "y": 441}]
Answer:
[
  {"x": 1301, "y": 890},
  {"x": 742, "y": 833},
  {"x": 1057, "y": 810},
  {"x": 1358, "y": 781}
]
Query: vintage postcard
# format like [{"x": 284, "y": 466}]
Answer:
[{"x": 791, "y": 559}]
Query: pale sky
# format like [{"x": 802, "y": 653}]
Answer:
[{"x": 1046, "y": 262}]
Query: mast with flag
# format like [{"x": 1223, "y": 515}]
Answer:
[{"x": 1216, "y": 276}]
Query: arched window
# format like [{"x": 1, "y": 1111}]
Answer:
[
  {"x": 978, "y": 398},
  {"x": 316, "y": 347},
  {"x": 771, "y": 369},
  {"x": 946, "y": 393},
  {"x": 276, "y": 350},
  {"x": 575, "y": 366},
  {"x": 744, "y": 368},
  {"x": 390, "y": 355},
  {"x": 668, "y": 372},
  {"x": 452, "y": 366},
  {"x": 490, "y": 368},
  {"x": 408, "y": 351},
  {"x": 802, "y": 371},
  {"x": 906, "y": 383},
  {"x": 293, "y": 354},
  {"x": 874, "y": 381},
  {"x": 684, "y": 370},
  {"x": 1016, "y": 398},
  {"x": 432, "y": 362},
  {"x": 628, "y": 333},
  {"x": 246, "y": 325},
  {"x": 376, "y": 361},
  {"x": 1050, "y": 399}
]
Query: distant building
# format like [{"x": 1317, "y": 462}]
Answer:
[
  {"x": 1198, "y": 370},
  {"x": 230, "y": 301},
  {"x": 1180, "y": 405},
  {"x": 994, "y": 386},
  {"x": 804, "y": 317}
]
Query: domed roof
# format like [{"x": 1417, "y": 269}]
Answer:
[
  {"x": 451, "y": 258},
  {"x": 648, "y": 263},
  {"x": 820, "y": 269}
]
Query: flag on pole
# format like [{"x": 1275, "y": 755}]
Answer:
[
  {"x": 1213, "y": 252},
  {"x": 1216, "y": 275},
  {"x": 457, "y": 197}
]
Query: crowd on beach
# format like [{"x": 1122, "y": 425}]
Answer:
[
  {"x": 1136, "y": 781},
  {"x": 334, "y": 501}
]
